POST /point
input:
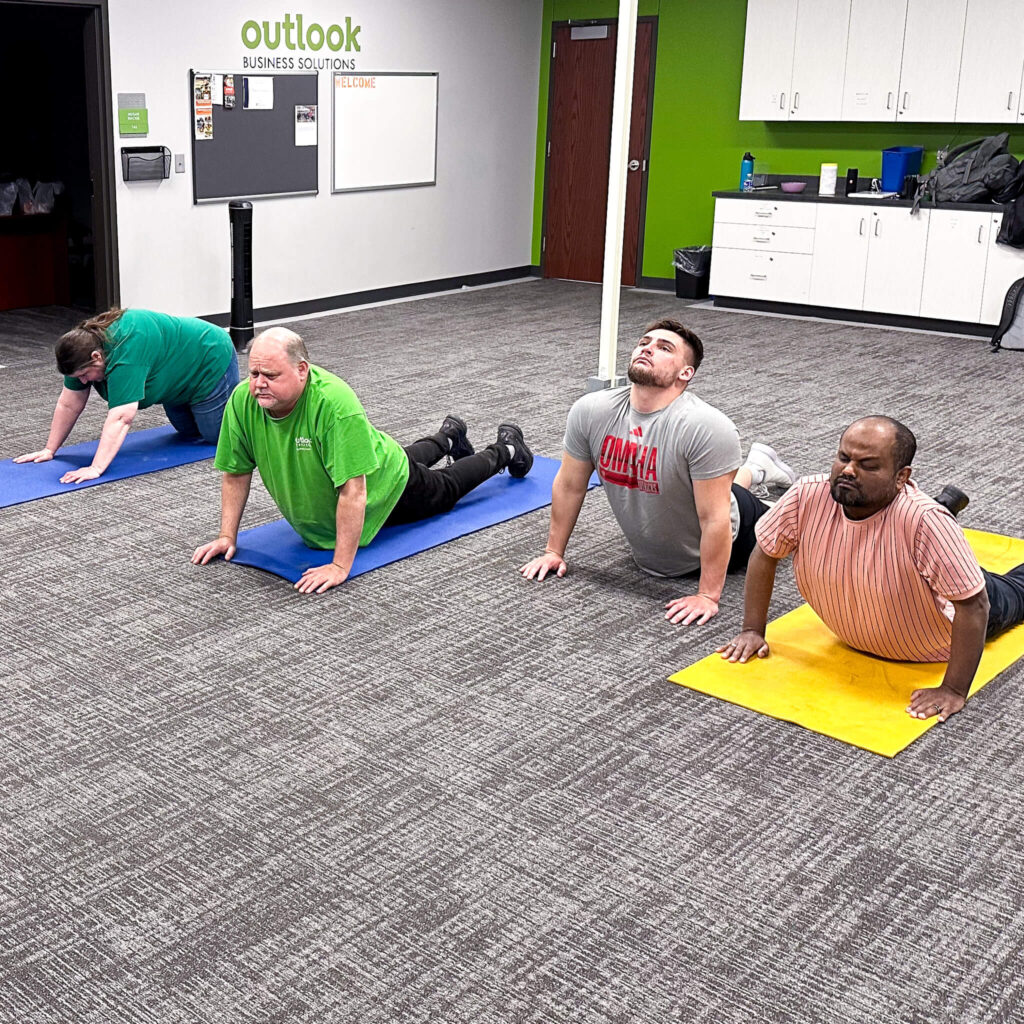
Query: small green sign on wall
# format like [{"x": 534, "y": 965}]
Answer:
[{"x": 133, "y": 121}]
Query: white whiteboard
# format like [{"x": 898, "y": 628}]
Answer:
[{"x": 385, "y": 130}]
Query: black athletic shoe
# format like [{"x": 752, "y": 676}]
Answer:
[
  {"x": 456, "y": 428},
  {"x": 520, "y": 463},
  {"x": 952, "y": 498}
]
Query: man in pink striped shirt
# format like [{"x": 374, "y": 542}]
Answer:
[{"x": 885, "y": 567}]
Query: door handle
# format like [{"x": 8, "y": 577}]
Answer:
[
  {"x": 1009, "y": 100},
  {"x": 888, "y": 101},
  {"x": 878, "y": 224},
  {"x": 762, "y": 213},
  {"x": 906, "y": 96},
  {"x": 759, "y": 277},
  {"x": 633, "y": 165},
  {"x": 796, "y": 101},
  {"x": 763, "y": 238},
  {"x": 782, "y": 101},
  {"x": 860, "y": 230},
  {"x": 981, "y": 227}
]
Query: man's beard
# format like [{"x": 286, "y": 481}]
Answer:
[
  {"x": 849, "y": 496},
  {"x": 644, "y": 376}
]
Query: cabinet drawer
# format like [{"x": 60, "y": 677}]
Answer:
[
  {"x": 773, "y": 277},
  {"x": 767, "y": 237},
  {"x": 765, "y": 211}
]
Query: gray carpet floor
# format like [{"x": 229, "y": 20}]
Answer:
[{"x": 441, "y": 793}]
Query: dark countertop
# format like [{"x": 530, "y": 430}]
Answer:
[{"x": 810, "y": 195}]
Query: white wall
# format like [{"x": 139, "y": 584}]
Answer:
[{"x": 175, "y": 256}]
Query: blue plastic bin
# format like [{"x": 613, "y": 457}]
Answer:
[{"x": 897, "y": 163}]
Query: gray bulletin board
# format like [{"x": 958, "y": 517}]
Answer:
[{"x": 253, "y": 152}]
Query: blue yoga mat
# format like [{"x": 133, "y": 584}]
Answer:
[
  {"x": 277, "y": 548},
  {"x": 144, "y": 451}
]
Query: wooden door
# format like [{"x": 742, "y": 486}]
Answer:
[{"x": 579, "y": 148}]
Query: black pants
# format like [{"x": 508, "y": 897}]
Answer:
[
  {"x": 430, "y": 492},
  {"x": 1005, "y": 599},
  {"x": 751, "y": 509}
]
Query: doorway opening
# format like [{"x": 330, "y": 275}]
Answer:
[{"x": 57, "y": 229}]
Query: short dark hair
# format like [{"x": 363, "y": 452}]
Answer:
[
  {"x": 693, "y": 343},
  {"x": 904, "y": 444}
]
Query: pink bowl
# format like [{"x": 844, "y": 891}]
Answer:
[{"x": 793, "y": 186}]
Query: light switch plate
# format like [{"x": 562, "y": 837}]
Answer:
[{"x": 179, "y": 163}]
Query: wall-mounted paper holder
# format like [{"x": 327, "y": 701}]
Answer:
[{"x": 145, "y": 163}]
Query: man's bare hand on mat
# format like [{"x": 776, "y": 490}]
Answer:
[
  {"x": 43, "y": 455},
  {"x": 694, "y": 608},
  {"x": 745, "y": 646},
  {"x": 321, "y": 578},
  {"x": 940, "y": 701},
  {"x": 539, "y": 567},
  {"x": 221, "y": 546}
]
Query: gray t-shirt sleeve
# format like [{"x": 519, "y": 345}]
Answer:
[
  {"x": 577, "y": 430},
  {"x": 712, "y": 446}
]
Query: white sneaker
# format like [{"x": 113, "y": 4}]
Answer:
[{"x": 775, "y": 472}]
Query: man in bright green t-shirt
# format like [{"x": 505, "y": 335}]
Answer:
[
  {"x": 334, "y": 476},
  {"x": 136, "y": 358}
]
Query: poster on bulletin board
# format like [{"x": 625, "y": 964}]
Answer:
[{"x": 384, "y": 130}]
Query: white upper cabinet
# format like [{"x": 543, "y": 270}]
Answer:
[
  {"x": 768, "y": 60},
  {"x": 932, "y": 44},
  {"x": 872, "y": 81},
  {"x": 992, "y": 63},
  {"x": 819, "y": 60}
]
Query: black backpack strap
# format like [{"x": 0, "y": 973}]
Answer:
[{"x": 1013, "y": 295}]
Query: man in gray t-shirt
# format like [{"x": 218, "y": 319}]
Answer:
[{"x": 668, "y": 461}]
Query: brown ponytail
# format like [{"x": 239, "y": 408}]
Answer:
[{"x": 74, "y": 350}]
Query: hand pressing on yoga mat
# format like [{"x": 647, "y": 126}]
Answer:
[
  {"x": 321, "y": 578},
  {"x": 940, "y": 701},
  {"x": 221, "y": 547},
  {"x": 745, "y": 646},
  {"x": 43, "y": 455}
]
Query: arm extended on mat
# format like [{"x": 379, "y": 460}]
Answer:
[
  {"x": 234, "y": 493},
  {"x": 349, "y": 527},
  {"x": 69, "y": 407},
  {"x": 115, "y": 430},
  {"x": 567, "y": 493},
  {"x": 757, "y": 596},
  {"x": 713, "y": 510},
  {"x": 970, "y": 620}
]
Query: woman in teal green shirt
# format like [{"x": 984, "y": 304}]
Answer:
[{"x": 136, "y": 358}]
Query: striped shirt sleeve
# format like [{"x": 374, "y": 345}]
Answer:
[
  {"x": 945, "y": 559},
  {"x": 777, "y": 531}
]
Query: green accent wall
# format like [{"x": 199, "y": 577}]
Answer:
[{"x": 697, "y": 141}]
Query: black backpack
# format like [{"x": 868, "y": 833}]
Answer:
[
  {"x": 971, "y": 173},
  {"x": 1010, "y": 332},
  {"x": 1011, "y": 231}
]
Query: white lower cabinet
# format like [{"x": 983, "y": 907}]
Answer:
[
  {"x": 942, "y": 264},
  {"x": 954, "y": 265},
  {"x": 840, "y": 257},
  {"x": 1005, "y": 265}
]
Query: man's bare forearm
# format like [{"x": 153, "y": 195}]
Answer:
[
  {"x": 715, "y": 549},
  {"x": 566, "y": 501},
  {"x": 757, "y": 590},
  {"x": 349, "y": 518},
  {"x": 970, "y": 622},
  {"x": 234, "y": 493}
]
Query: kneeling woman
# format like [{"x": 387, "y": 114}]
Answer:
[{"x": 135, "y": 358}]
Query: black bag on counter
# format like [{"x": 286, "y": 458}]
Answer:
[
  {"x": 1011, "y": 231},
  {"x": 972, "y": 173},
  {"x": 1010, "y": 332}
]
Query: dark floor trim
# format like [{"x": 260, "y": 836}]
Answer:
[
  {"x": 658, "y": 284},
  {"x": 289, "y": 310},
  {"x": 858, "y": 316}
]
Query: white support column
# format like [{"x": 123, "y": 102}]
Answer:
[{"x": 612, "y": 282}]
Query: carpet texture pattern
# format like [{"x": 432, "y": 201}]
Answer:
[{"x": 440, "y": 793}]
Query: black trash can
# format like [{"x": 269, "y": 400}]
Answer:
[{"x": 693, "y": 268}]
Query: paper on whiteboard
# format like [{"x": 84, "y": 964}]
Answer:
[
  {"x": 217, "y": 89},
  {"x": 258, "y": 92}
]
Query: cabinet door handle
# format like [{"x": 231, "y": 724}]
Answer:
[
  {"x": 906, "y": 96},
  {"x": 796, "y": 101},
  {"x": 981, "y": 227},
  {"x": 762, "y": 213},
  {"x": 878, "y": 224},
  {"x": 860, "y": 230},
  {"x": 782, "y": 101},
  {"x": 1009, "y": 100},
  {"x": 759, "y": 277},
  {"x": 763, "y": 238},
  {"x": 888, "y": 101}
]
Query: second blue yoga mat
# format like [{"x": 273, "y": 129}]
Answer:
[
  {"x": 144, "y": 451},
  {"x": 277, "y": 548}
]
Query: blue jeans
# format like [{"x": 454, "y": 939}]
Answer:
[
  {"x": 1005, "y": 599},
  {"x": 202, "y": 419}
]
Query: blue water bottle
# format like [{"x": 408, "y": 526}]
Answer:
[{"x": 746, "y": 172}]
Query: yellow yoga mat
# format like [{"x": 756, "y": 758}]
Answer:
[{"x": 813, "y": 679}]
